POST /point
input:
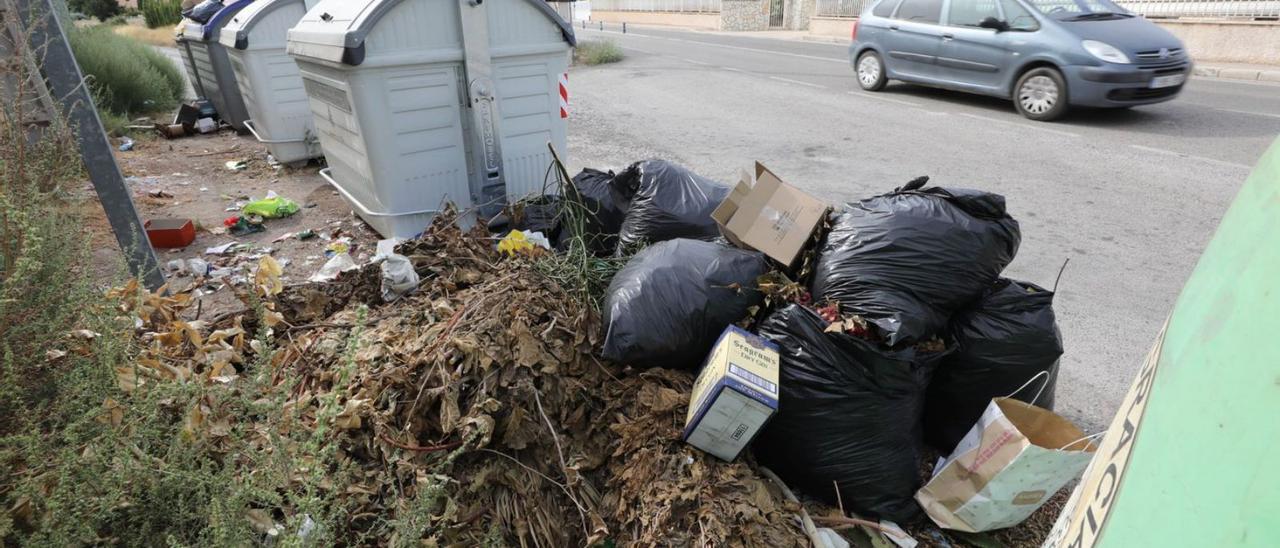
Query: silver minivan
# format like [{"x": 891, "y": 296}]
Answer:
[{"x": 1042, "y": 54}]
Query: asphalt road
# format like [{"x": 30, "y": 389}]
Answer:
[{"x": 1131, "y": 197}]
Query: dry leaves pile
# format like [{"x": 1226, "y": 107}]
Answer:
[{"x": 479, "y": 394}]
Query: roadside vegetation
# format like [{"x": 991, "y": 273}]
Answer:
[
  {"x": 101, "y": 9},
  {"x": 128, "y": 78},
  {"x": 160, "y": 13},
  {"x": 597, "y": 52}
]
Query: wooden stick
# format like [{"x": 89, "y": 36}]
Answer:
[
  {"x": 809, "y": 528},
  {"x": 421, "y": 449}
]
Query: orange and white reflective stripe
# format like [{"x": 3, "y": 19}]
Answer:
[{"x": 564, "y": 95}]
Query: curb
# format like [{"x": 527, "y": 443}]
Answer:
[
  {"x": 825, "y": 39},
  {"x": 1230, "y": 73}
]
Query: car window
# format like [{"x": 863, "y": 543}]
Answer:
[
  {"x": 885, "y": 8},
  {"x": 920, "y": 11},
  {"x": 1069, "y": 9},
  {"x": 968, "y": 13},
  {"x": 1018, "y": 17}
]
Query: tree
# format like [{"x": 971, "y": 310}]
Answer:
[{"x": 102, "y": 9}]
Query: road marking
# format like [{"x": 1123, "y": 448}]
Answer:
[
  {"x": 886, "y": 99},
  {"x": 1267, "y": 114},
  {"x": 645, "y": 51},
  {"x": 694, "y": 62},
  {"x": 1021, "y": 125},
  {"x": 1191, "y": 157},
  {"x": 742, "y": 48},
  {"x": 731, "y": 69},
  {"x": 797, "y": 82}
]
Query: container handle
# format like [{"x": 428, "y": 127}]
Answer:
[
  {"x": 249, "y": 124},
  {"x": 326, "y": 173}
]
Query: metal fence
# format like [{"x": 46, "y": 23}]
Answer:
[
  {"x": 681, "y": 6},
  {"x": 840, "y": 8},
  {"x": 1212, "y": 9}
]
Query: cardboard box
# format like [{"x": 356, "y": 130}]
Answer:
[
  {"x": 735, "y": 394},
  {"x": 765, "y": 214}
]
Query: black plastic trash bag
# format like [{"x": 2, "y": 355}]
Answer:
[
  {"x": 1002, "y": 343},
  {"x": 605, "y": 209},
  {"x": 667, "y": 202},
  {"x": 671, "y": 301},
  {"x": 202, "y": 12},
  {"x": 907, "y": 260},
  {"x": 849, "y": 413}
]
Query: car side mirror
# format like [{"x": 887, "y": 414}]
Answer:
[{"x": 993, "y": 24}]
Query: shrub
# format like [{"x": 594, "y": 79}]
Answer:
[
  {"x": 160, "y": 13},
  {"x": 102, "y": 9},
  {"x": 596, "y": 52},
  {"x": 126, "y": 76}
]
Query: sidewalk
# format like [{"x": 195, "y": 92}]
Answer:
[{"x": 1225, "y": 71}]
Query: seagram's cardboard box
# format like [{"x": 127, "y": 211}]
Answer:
[
  {"x": 768, "y": 215},
  {"x": 735, "y": 394}
]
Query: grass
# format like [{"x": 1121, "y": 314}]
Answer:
[
  {"x": 598, "y": 52},
  {"x": 126, "y": 76},
  {"x": 159, "y": 36},
  {"x": 160, "y": 13}
]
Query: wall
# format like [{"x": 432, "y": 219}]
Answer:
[
  {"x": 690, "y": 20},
  {"x": 830, "y": 26},
  {"x": 1229, "y": 41},
  {"x": 797, "y": 14},
  {"x": 744, "y": 15}
]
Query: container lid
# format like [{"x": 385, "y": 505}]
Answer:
[
  {"x": 336, "y": 31},
  {"x": 236, "y": 32},
  {"x": 208, "y": 32}
]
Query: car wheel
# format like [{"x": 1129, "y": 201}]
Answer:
[
  {"x": 1041, "y": 94},
  {"x": 870, "y": 69}
]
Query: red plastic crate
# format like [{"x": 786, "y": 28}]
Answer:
[{"x": 170, "y": 232}]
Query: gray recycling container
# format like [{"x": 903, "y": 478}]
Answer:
[
  {"x": 208, "y": 66},
  {"x": 419, "y": 103},
  {"x": 269, "y": 81}
]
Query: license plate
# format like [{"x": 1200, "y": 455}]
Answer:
[{"x": 1168, "y": 81}]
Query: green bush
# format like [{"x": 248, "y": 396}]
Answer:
[
  {"x": 127, "y": 77},
  {"x": 160, "y": 13},
  {"x": 102, "y": 9},
  {"x": 597, "y": 52}
]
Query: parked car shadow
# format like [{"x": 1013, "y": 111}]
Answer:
[{"x": 1172, "y": 118}]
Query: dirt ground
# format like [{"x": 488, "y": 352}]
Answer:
[{"x": 187, "y": 178}]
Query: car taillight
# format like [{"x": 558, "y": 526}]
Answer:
[{"x": 854, "y": 34}]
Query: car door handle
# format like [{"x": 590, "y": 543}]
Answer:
[
  {"x": 948, "y": 36},
  {"x": 893, "y": 27}
]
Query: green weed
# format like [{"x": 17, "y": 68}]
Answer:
[
  {"x": 598, "y": 52},
  {"x": 126, "y": 76}
]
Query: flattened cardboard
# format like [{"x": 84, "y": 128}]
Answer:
[{"x": 765, "y": 214}]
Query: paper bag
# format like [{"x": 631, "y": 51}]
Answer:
[{"x": 1015, "y": 458}]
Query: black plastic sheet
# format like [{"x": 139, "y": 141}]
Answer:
[
  {"x": 1002, "y": 344},
  {"x": 907, "y": 260},
  {"x": 605, "y": 208},
  {"x": 849, "y": 415},
  {"x": 670, "y": 303}
]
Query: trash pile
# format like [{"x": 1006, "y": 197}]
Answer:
[{"x": 454, "y": 365}]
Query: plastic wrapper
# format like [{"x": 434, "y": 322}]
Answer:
[
  {"x": 667, "y": 202},
  {"x": 907, "y": 260},
  {"x": 540, "y": 214},
  {"x": 202, "y": 12},
  {"x": 1002, "y": 343},
  {"x": 668, "y": 305},
  {"x": 848, "y": 416},
  {"x": 398, "y": 277}
]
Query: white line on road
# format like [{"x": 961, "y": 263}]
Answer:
[
  {"x": 797, "y": 82},
  {"x": 695, "y": 62},
  {"x": 645, "y": 51},
  {"x": 886, "y": 99},
  {"x": 1021, "y": 125},
  {"x": 731, "y": 69},
  {"x": 1192, "y": 157},
  {"x": 1267, "y": 114}
]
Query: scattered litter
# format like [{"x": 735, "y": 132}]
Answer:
[
  {"x": 386, "y": 248},
  {"x": 766, "y": 214},
  {"x": 306, "y": 235},
  {"x": 159, "y": 194},
  {"x": 734, "y": 396},
  {"x": 271, "y": 207},
  {"x": 219, "y": 250},
  {"x": 271, "y": 161},
  {"x": 891, "y": 531},
  {"x": 177, "y": 266},
  {"x": 398, "y": 277},
  {"x": 170, "y": 233},
  {"x": 126, "y": 144},
  {"x": 244, "y": 224},
  {"x": 237, "y": 165},
  {"x": 519, "y": 241},
  {"x": 337, "y": 247},
  {"x": 338, "y": 264},
  {"x": 282, "y": 237},
  {"x": 197, "y": 267},
  {"x": 204, "y": 189},
  {"x": 206, "y": 125}
]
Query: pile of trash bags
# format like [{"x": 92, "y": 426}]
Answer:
[{"x": 904, "y": 335}]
